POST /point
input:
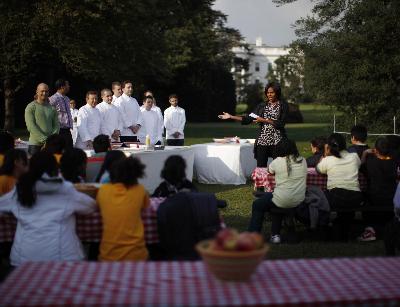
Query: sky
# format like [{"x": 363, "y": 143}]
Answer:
[{"x": 262, "y": 18}]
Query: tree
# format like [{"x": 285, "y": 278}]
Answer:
[
  {"x": 177, "y": 45},
  {"x": 289, "y": 73},
  {"x": 200, "y": 47},
  {"x": 351, "y": 56},
  {"x": 253, "y": 94}
]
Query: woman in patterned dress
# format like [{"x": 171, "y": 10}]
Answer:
[{"x": 271, "y": 117}]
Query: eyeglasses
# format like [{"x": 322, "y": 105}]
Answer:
[{"x": 149, "y": 96}]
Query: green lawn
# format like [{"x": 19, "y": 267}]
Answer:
[{"x": 318, "y": 120}]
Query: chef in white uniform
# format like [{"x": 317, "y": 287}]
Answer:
[
  {"x": 89, "y": 122},
  {"x": 153, "y": 126},
  {"x": 111, "y": 122},
  {"x": 129, "y": 109},
  {"x": 174, "y": 122}
]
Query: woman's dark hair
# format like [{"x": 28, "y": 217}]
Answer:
[
  {"x": 55, "y": 144},
  {"x": 40, "y": 163},
  {"x": 319, "y": 142},
  {"x": 276, "y": 87},
  {"x": 382, "y": 146},
  {"x": 101, "y": 143},
  {"x": 336, "y": 143},
  {"x": 288, "y": 149},
  {"x": 127, "y": 171},
  {"x": 10, "y": 158},
  {"x": 73, "y": 165},
  {"x": 174, "y": 170},
  {"x": 109, "y": 159},
  {"x": 6, "y": 141}
]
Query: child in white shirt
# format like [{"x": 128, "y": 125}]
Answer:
[{"x": 174, "y": 122}]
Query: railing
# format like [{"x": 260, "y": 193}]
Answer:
[{"x": 355, "y": 123}]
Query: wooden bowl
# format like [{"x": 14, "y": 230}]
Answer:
[
  {"x": 231, "y": 265},
  {"x": 88, "y": 189}
]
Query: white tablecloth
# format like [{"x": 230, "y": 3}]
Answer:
[
  {"x": 154, "y": 161},
  {"x": 216, "y": 163}
]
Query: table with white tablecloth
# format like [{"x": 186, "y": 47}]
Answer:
[
  {"x": 154, "y": 162},
  {"x": 216, "y": 163}
]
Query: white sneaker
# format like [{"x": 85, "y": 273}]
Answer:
[{"x": 276, "y": 239}]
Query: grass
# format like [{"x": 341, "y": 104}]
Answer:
[{"x": 318, "y": 120}]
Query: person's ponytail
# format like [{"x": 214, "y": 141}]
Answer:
[
  {"x": 40, "y": 163},
  {"x": 336, "y": 143}
]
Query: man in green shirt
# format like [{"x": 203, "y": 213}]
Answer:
[{"x": 40, "y": 119}]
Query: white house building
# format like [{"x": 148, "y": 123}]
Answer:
[{"x": 261, "y": 58}]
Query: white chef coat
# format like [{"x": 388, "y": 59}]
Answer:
[
  {"x": 110, "y": 118},
  {"x": 89, "y": 122},
  {"x": 130, "y": 113},
  {"x": 174, "y": 121},
  {"x": 152, "y": 126}
]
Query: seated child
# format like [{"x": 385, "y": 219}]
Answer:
[
  {"x": 73, "y": 165},
  {"x": 55, "y": 144},
  {"x": 358, "y": 137},
  {"x": 290, "y": 171},
  {"x": 6, "y": 143},
  {"x": 317, "y": 149},
  {"x": 45, "y": 206},
  {"x": 174, "y": 176},
  {"x": 14, "y": 166},
  {"x": 101, "y": 144},
  {"x": 381, "y": 172},
  {"x": 343, "y": 186},
  {"x": 121, "y": 203},
  {"x": 104, "y": 173}
]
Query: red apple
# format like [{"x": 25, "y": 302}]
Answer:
[
  {"x": 245, "y": 242},
  {"x": 225, "y": 234}
]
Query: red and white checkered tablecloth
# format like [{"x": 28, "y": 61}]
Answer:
[
  {"x": 312, "y": 282},
  {"x": 89, "y": 227},
  {"x": 262, "y": 178}
]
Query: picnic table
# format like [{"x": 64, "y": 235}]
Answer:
[
  {"x": 262, "y": 178},
  {"x": 300, "y": 282},
  {"x": 89, "y": 227}
]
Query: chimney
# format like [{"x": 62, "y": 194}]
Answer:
[{"x": 259, "y": 41}]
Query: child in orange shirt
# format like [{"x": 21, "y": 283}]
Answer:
[
  {"x": 121, "y": 203},
  {"x": 15, "y": 164}
]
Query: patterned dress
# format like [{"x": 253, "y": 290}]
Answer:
[{"x": 269, "y": 135}]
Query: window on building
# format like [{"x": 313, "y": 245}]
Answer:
[{"x": 257, "y": 66}]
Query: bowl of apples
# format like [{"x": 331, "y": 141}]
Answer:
[{"x": 232, "y": 256}]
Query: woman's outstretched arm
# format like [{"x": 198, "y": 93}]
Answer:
[{"x": 225, "y": 116}]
